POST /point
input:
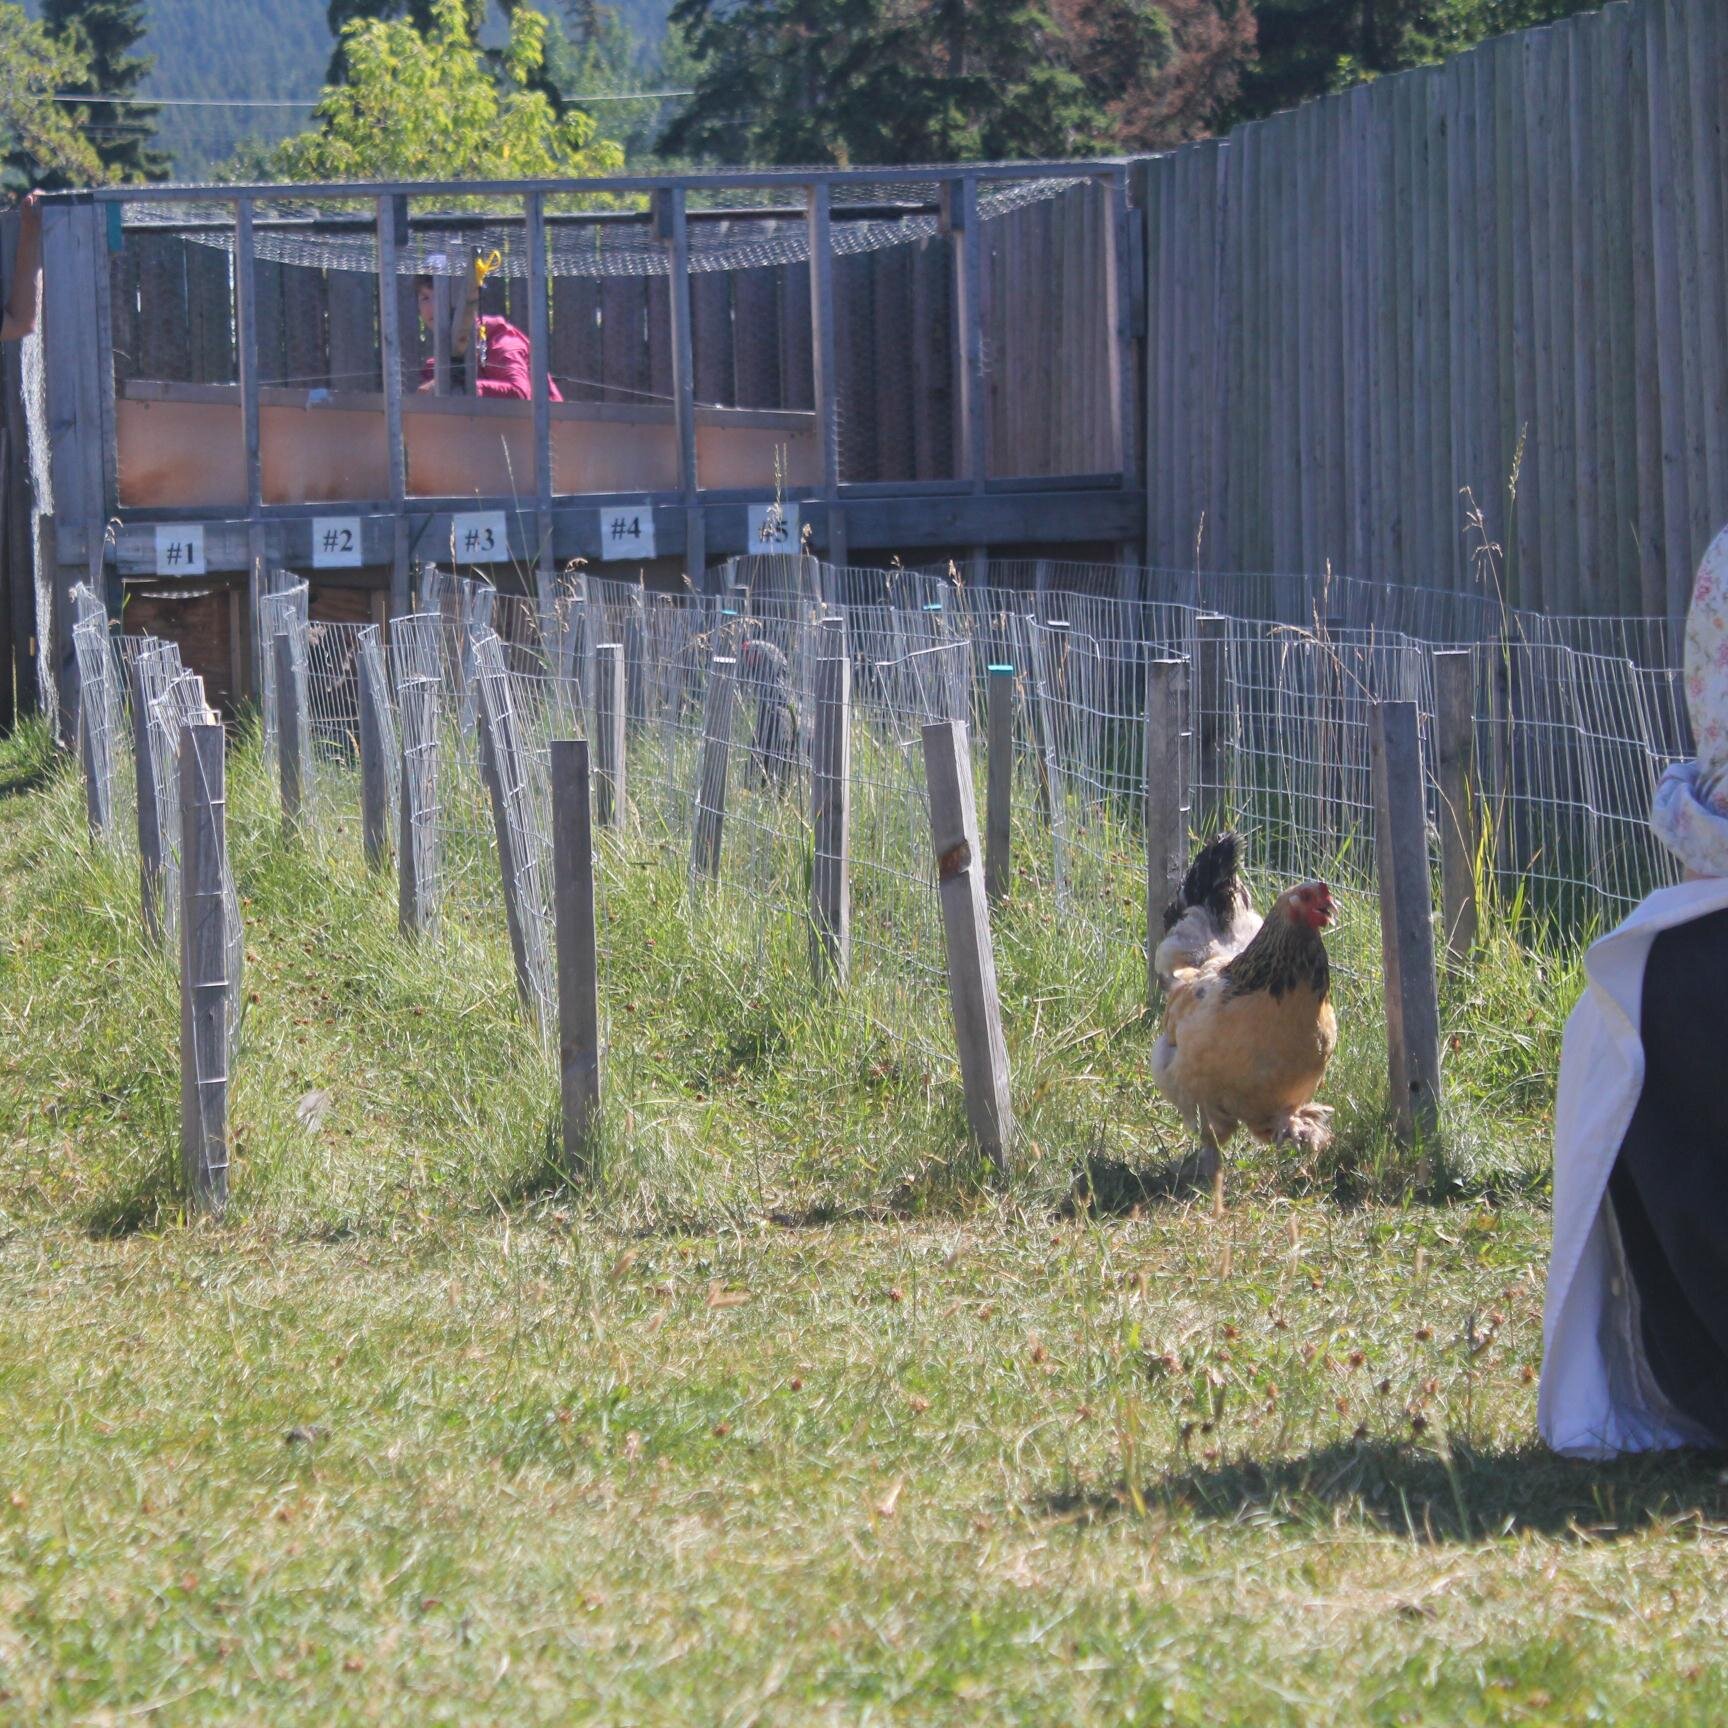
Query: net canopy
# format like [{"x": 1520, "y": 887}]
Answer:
[{"x": 738, "y": 234}]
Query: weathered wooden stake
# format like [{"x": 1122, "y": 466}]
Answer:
[
  {"x": 1206, "y": 708},
  {"x": 291, "y": 769},
  {"x": 610, "y": 789},
  {"x": 1166, "y": 798},
  {"x": 831, "y": 808},
  {"x": 1460, "y": 800},
  {"x": 966, "y": 927},
  {"x": 498, "y": 769},
  {"x": 999, "y": 783},
  {"x": 203, "y": 970},
  {"x": 579, "y": 1053},
  {"x": 1406, "y": 920},
  {"x": 711, "y": 782},
  {"x": 374, "y": 768},
  {"x": 149, "y": 817}
]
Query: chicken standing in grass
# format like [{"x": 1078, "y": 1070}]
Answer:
[{"x": 1249, "y": 1027}]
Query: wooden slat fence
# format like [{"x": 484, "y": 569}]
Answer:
[{"x": 1358, "y": 309}]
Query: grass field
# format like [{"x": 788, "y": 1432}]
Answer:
[{"x": 794, "y": 1417}]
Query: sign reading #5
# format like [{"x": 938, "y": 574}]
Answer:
[{"x": 773, "y": 528}]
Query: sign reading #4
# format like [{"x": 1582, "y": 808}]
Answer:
[
  {"x": 479, "y": 537},
  {"x": 773, "y": 528},
  {"x": 180, "y": 550},
  {"x": 627, "y": 532}
]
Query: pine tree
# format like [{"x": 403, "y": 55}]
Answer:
[{"x": 103, "y": 34}]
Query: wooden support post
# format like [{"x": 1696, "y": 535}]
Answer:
[
  {"x": 540, "y": 357},
  {"x": 289, "y": 725},
  {"x": 711, "y": 785},
  {"x": 498, "y": 769},
  {"x": 393, "y": 210},
  {"x": 831, "y": 808},
  {"x": 203, "y": 970},
  {"x": 246, "y": 329},
  {"x": 149, "y": 816},
  {"x": 1167, "y": 799},
  {"x": 1119, "y": 322},
  {"x": 966, "y": 927},
  {"x": 1207, "y": 713},
  {"x": 999, "y": 783},
  {"x": 441, "y": 335},
  {"x": 1406, "y": 920},
  {"x": 610, "y": 789},
  {"x": 374, "y": 767},
  {"x": 636, "y": 660},
  {"x": 825, "y": 375},
  {"x": 1460, "y": 800},
  {"x": 972, "y": 402},
  {"x": 579, "y": 1052}
]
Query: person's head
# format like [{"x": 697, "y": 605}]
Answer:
[{"x": 425, "y": 298}]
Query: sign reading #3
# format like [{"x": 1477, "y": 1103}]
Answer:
[
  {"x": 180, "y": 550},
  {"x": 773, "y": 528},
  {"x": 627, "y": 532},
  {"x": 479, "y": 537}
]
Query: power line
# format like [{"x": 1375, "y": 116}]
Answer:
[{"x": 313, "y": 101}]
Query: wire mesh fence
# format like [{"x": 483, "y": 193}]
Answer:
[{"x": 717, "y": 778}]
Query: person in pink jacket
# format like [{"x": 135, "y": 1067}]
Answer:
[{"x": 506, "y": 355}]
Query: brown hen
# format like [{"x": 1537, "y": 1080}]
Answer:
[{"x": 1249, "y": 1026}]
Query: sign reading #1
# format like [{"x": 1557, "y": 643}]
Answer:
[
  {"x": 773, "y": 528},
  {"x": 336, "y": 542},
  {"x": 479, "y": 537},
  {"x": 180, "y": 550},
  {"x": 627, "y": 531}
]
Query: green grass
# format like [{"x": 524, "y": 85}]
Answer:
[{"x": 795, "y": 1417}]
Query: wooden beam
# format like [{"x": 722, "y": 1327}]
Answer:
[
  {"x": 390, "y": 211},
  {"x": 972, "y": 415},
  {"x": 579, "y": 1045},
  {"x": 1119, "y": 320},
  {"x": 540, "y": 358},
  {"x": 824, "y": 371}
]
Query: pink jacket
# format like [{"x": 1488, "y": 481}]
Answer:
[{"x": 505, "y": 370}]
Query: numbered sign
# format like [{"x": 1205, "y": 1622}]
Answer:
[
  {"x": 479, "y": 537},
  {"x": 336, "y": 542},
  {"x": 773, "y": 528},
  {"x": 180, "y": 550},
  {"x": 627, "y": 532}
]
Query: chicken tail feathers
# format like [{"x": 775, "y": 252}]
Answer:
[{"x": 1211, "y": 881}]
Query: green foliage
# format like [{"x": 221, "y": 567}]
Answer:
[
  {"x": 855, "y": 81},
  {"x": 426, "y": 105},
  {"x": 103, "y": 35},
  {"x": 41, "y": 137}
]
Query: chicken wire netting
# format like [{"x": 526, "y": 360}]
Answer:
[{"x": 719, "y": 704}]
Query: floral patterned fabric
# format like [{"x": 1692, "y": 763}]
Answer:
[{"x": 1691, "y": 810}]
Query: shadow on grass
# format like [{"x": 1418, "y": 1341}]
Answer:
[
  {"x": 1435, "y": 1499},
  {"x": 148, "y": 1203},
  {"x": 1105, "y": 1187}
]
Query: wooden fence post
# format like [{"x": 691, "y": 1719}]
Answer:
[
  {"x": 609, "y": 713},
  {"x": 417, "y": 733},
  {"x": 999, "y": 784},
  {"x": 149, "y": 817},
  {"x": 831, "y": 808},
  {"x": 966, "y": 927},
  {"x": 1460, "y": 817},
  {"x": 498, "y": 769},
  {"x": 203, "y": 970},
  {"x": 579, "y": 1054},
  {"x": 1166, "y": 799},
  {"x": 636, "y": 659},
  {"x": 291, "y": 768},
  {"x": 711, "y": 781},
  {"x": 1206, "y": 709},
  {"x": 374, "y": 768},
  {"x": 1406, "y": 920}
]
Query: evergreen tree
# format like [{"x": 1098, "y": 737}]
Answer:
[
  {"x": 103, "y": 34},
  {"x": 41, "y": 139}
]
